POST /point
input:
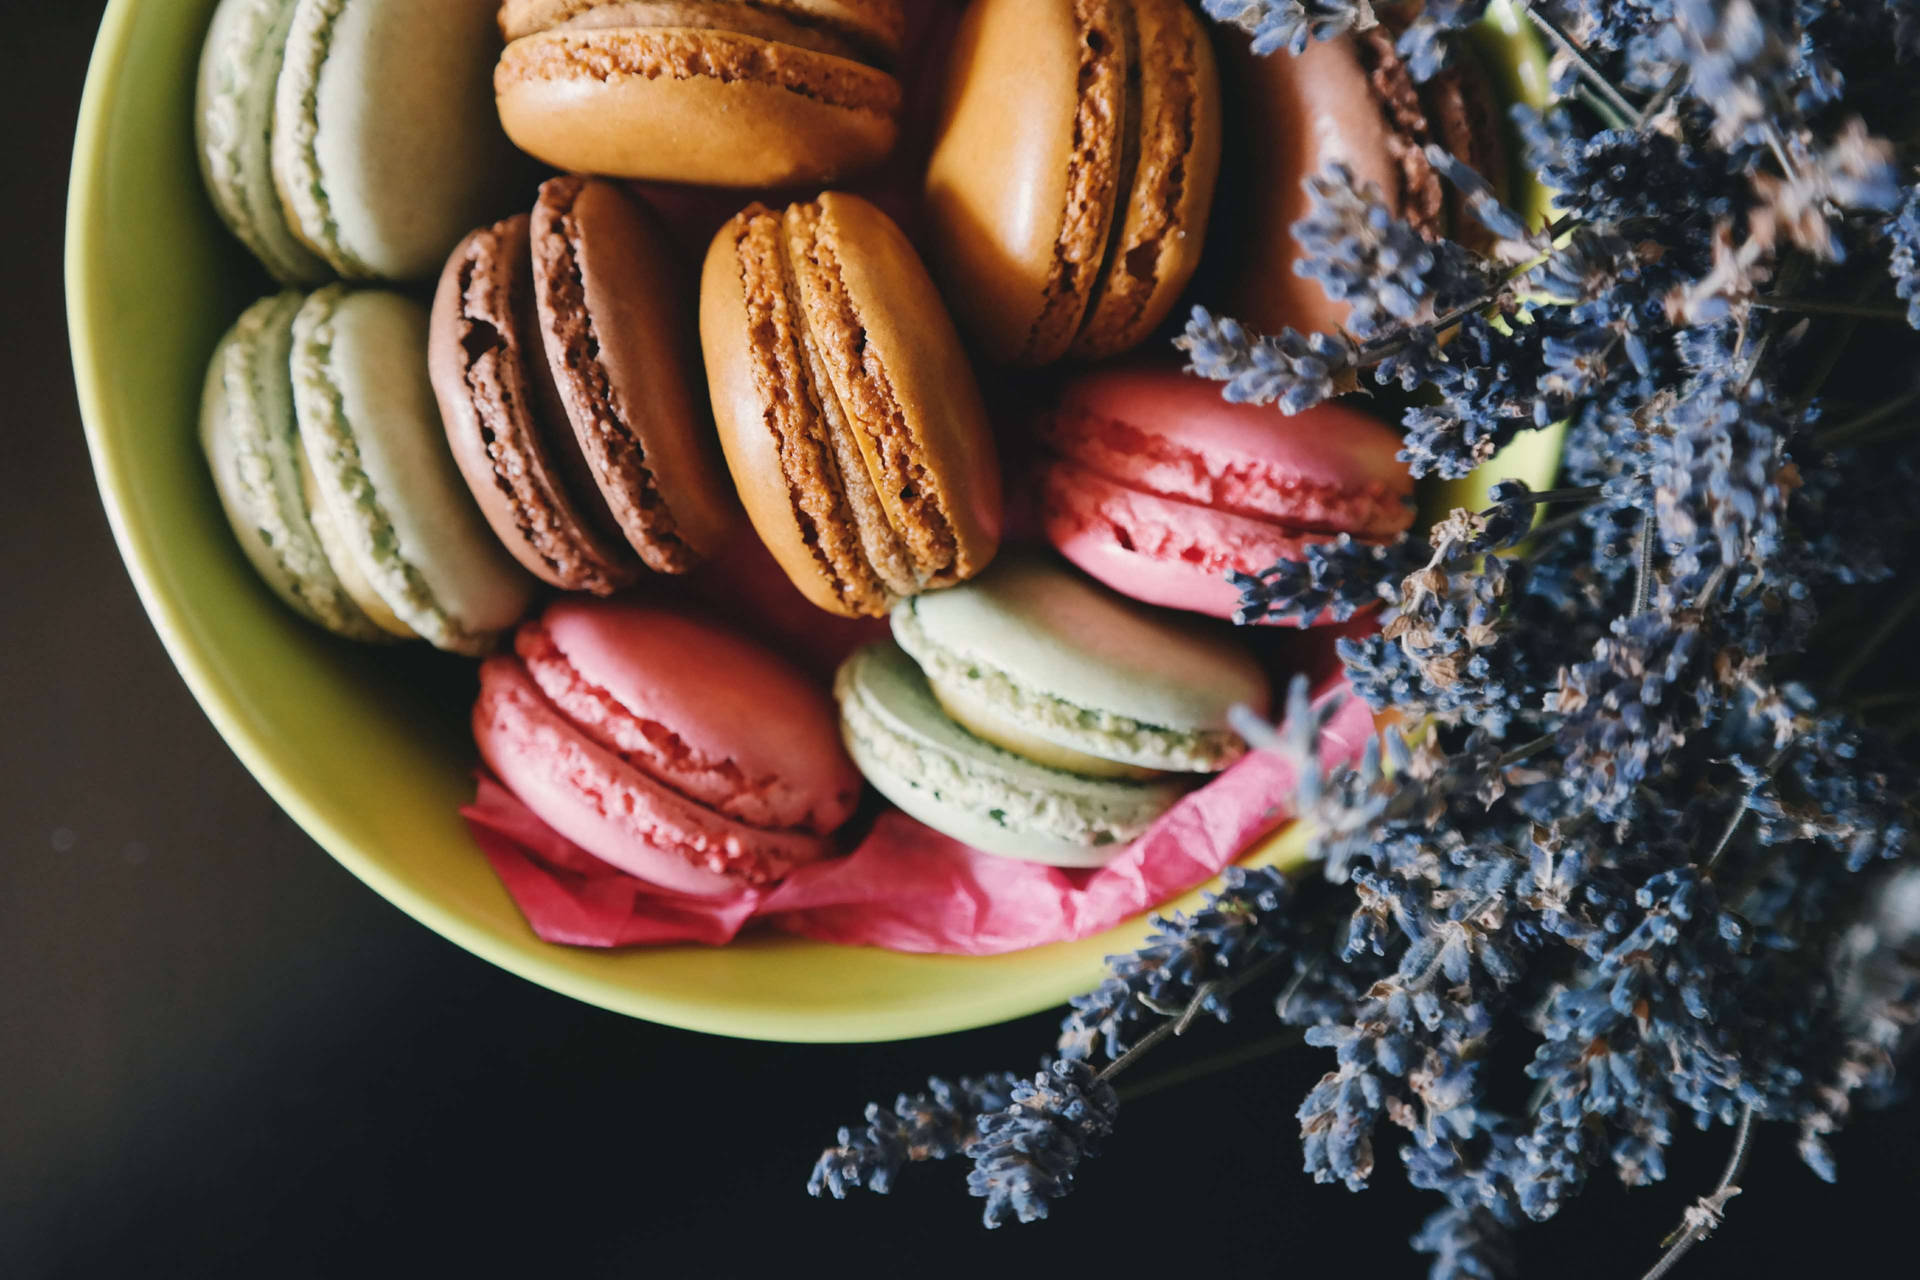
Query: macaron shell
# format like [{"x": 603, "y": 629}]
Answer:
[
  {"x": 878, "y": 23},
  {"x": 767, "y": 420},
  {"x": 695, "y": 106},
  {"x": 385, "y": 147},
  {"x": 1313, "y": 109},
  {"x": 719, "y": 718},
  {"x": 1160, "y": 550},
  {"x": 1051, "y": 634},
  {"x": 372, "y": 435},
  {"x": 613, "y": 810},
  {"x": 973, "y": 791},
  {"x": 615, "y": 310},
  {"x": 1022, "y": 184},
  {"x": 909, "y": 351},
  {"x": 1158, "y": 242},
  {"x": 253, "y": 450},
  {"x": 487, "y": 383},
  {"x": 239, "y": 67},
  {"x": 1330, "y": 469}
]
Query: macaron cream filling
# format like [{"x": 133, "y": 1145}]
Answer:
[
  {"x": 296, "y": 158},
  {"x": 238, "y": 75},
  {"x": 794, "y": 417},
  {"x": 633, "y": 492},
  {"x": 248, "y": 432},
  {"x": 711, "y": 15},
  {"x": 1097, "y": 742},
  {"x": 1222, "y": 479},
  {"x": 916, "y": 508},
  {"x": 867, "y": 504},
  {"x": 1094, "y": 174},
  {"x": 1163, "y": 127},
  {"x": 346, "y": 560},
  {"x": 654, "y": 748},
  {"x": 552, "y": 767},
  {"x": 571, "y": 52},
  {"x": 867, "y": 32},
  {"x": 907, "y": 745},
  {"x": 502, "y": 367}
]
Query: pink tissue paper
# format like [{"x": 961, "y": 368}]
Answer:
[{"x": 906, "y": 887}]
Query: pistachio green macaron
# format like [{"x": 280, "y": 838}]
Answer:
[
  {"x": 1037, "y": 715},
  {"x": 398, "y": 523},
  {"x": 240, "y": 67},
  {"x": 253, "y": 450}
]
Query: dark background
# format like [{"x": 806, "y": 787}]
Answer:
[{"x": 222, "y": 1055}]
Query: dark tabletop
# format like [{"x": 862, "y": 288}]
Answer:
[{"x": 220, "y": 1054}]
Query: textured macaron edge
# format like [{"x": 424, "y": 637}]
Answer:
[
  {"x": 718, "y": 781},
  {"x": 599, "y": 411},
  {"x": 977, "y": 778},
  {"x": 613, "y": 53},
  {"x": 1094, "y": 731},
  {"x": 615, "y": 811},
  {"x": 1157, "y": 549},
  {"x": 296, "y": 135},
  {"x": 770, "y": 420},
  {"x": 1161, "y": 222},
  {"x": 1094, "y": 163},
  {"x": 877, "y": 25},
  {"x": 1266, "y": 489},
  {"x": 366, "y": 527},
  {"x": 239, "y": 73},
  {"x": 483, "y": 375},
  {"x": 912, "y": 497},
  {"x": 256, "y": 469},
  {"x": 1421, "y": 200}
]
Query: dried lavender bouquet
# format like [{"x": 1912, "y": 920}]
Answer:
[{"x": 1649, "y": 856}]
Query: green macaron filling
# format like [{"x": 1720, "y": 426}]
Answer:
[
  {"x": 967, "y": 787},
  {"x": 979, "y": 690}
]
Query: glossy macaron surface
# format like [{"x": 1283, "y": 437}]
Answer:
[{"x": 1160, "y": 488}]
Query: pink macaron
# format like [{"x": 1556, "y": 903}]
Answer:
[
  {"x": 1159, "y": 488},
  {"x": 666, "y": 746}
]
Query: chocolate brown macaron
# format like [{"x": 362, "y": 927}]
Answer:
[
  {"x": 1073, "y": 172},
  {"x": 1350, "y": 101},
  {"x": 726, "y": 93},
  {"x": 562, "y": 362},
  {"x": 848, "y": 413}
]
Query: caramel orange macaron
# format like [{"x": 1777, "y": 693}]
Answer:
[
  {"x": 561, "y": 357},
  {"x": 846, "y": 408},
  {"x": 1073, "y": 172},
  {"x": 721, "y": 93}
]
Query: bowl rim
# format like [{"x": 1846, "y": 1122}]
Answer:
[{"x": 140, "y": 550}]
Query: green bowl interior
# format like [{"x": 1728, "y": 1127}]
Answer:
[{"x": 367, "y": 749}]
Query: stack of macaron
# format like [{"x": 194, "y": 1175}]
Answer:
[
  {"x": 1035, "y": 715},
  {"x": 586, "y": 410},
  {"x": 568, "y": 381},
  {"x": 328, "y": 456}
]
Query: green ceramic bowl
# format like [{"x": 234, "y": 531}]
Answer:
[{"x": 367, "y": 750}]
